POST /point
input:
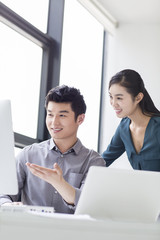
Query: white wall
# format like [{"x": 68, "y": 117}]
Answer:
[{"x": 135, "y": 46}]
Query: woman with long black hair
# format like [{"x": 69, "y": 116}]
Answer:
[{"x": 139, "y": 130}]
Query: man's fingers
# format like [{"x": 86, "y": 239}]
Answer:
[
  {"x": 34, "y": 166},
  {"x": 36, "y": 170},
  {"x": 57, "y": 168},
  {"x": 41, "y": 172}
]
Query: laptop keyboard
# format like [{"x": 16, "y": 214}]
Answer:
[{"x": 27, "y": 208}]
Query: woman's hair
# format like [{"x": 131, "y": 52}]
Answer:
[
  {"x": 65, "y": 94},
  {"x": 134, "y": 84}
]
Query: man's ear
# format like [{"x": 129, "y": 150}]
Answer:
[
  {"x": 80, "y": 118},
  {"x": 139, "y": 97}
]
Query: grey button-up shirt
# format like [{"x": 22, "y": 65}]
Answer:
[{"x": 74, "y": 163}]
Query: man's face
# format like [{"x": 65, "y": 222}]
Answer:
[{"x": 60, "y": 121}]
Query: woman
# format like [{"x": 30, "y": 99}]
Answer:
[{"x": 139, "y": 130}]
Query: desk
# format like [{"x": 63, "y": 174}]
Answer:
[{"x": 29, "y": 226}]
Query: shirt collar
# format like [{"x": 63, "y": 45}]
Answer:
[
  {"x": 76, "y": 148},
  {"x": 51, "y": 144}
]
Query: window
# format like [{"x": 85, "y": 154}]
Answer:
[
  {"x": 32, "y": 11},
  {"x": 20, "y": 77},
  {"x": 29, "y": 62},
  {"x": 81, "y": 64}
]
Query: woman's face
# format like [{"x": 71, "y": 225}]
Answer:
[{"x": 122, "y": 101}]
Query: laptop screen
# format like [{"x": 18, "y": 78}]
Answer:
[{"x": 8, "y": 176}]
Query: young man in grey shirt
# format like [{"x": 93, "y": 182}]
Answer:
[{"x": 53, "y": 172}]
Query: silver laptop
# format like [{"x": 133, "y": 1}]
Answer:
[
  {"x": 117, "y": 194},
  {"x": 8, "y": 176}
]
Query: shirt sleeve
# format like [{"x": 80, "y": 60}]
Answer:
[
  {"x": 5, "y": 199},
  {"x": 115, "y": 149},
  {"x": 77, "y": 196}
]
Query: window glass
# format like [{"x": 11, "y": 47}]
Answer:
[
  {"x": 81, "y": 64},
  {"x": 20, "y": 61},
  {"x": 31, "y": 10}
]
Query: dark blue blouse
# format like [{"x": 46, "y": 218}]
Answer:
[{"x": 149, "y": 156}]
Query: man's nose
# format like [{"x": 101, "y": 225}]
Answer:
[{"x": 55, "y": 120}]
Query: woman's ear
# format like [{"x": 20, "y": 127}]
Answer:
[
  {"x": 80, "y": 119},
  {"x": 139, "y": 97}
]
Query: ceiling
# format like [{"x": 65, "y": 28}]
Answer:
[{"x": 133, "y": 11}]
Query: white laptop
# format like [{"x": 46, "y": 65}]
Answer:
[
  {"x": 117, "y": 194},
  {"x": 8, "y": 176}
]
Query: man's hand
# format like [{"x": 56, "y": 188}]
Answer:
[{"x": 55, "y": 178}]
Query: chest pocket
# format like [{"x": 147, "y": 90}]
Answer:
[{"x": 74, "y": 179}]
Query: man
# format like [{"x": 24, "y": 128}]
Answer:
[{"x": 53, "y": 172}]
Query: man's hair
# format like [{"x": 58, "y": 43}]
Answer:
[{"x": 65, "y": 94}]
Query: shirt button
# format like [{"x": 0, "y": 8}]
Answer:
[
  {"x": 55, "y": 191},
  {"x": 62, "y": 155}
]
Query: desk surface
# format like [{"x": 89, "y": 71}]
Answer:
[{"x": 26, "y": 226}]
